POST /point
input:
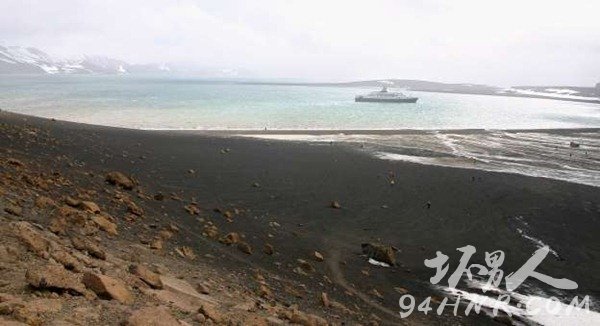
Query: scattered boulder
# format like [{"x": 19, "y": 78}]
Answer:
[
  {"x": 156, "y": 244},
  {"x": 89, "y": 206},
  {"x": 33, "y": 311},
  {"x": 244, "y": 247},
  {"x": 382, "y": 253},
  {"x": 306, "y": 266},
  {"x": 202, "y": 288},
  {"x": 44, "y": 202},
  {"x": 211, "y": 231},
  {"x": 133, "y": 208},
  {"x": 186, "y": 252},
  {"x": 325, "y": 300},
  {"x": 269, "y": 249},
  {"x": 91, "y": 248},
  {"x": 192, "y": 209},
  {"x": 230, "y": 238},
  {"x": 165, "y": 234},
  {"x": 264, "y": 291},
  {"x": 72, "y": 201},
  {"x": 211, "y": 313},
  {"x": 107, "y": 287},
  {"x": 58, "y": 225},
  {"x": 318, "y": 256},
  {"x": 32, "y": 238},
  {"x": 119, "y": 179},
  {"x": 573, "y": 144},
  {"x": 105, "y": 224},
  {"x": 302, "y": 318},
  {"x": 335, "y": 204},
  {"x": 54, "y": 277},
  {"x": 146, "y": 275},
  {"x": 152, "y": 316},
  {"x": 67, "y": 260}
]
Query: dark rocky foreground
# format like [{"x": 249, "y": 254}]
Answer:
[{"x": 235, "y": 231}]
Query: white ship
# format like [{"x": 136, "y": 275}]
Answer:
[{"x": 387, "y": 97}]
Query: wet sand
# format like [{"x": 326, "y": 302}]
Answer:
[{"x": 293, "y": 184}]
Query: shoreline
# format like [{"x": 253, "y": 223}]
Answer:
[
  {"x": 423, "y": 148},
  {"x": 233, "y": 132},
  {"x": 293, "y": 184}
]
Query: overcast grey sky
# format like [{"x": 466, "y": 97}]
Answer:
[{"x": 508, "y": 42}]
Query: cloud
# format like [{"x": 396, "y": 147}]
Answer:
[{"x": 508, "y": 42}]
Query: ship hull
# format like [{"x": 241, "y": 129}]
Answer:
[{"x": 387, "y": 100}]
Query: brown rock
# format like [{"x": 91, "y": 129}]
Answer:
[
  {"x": 146, "y": 275},
  {"x": 200, "y": 318},
  {"x": 192, "y": 209},
  {"x": 211, "y": 231},
  {"x": 211, "y": 313},
  {"x": 231, "y": 238},
  {"x": 186, "y": 252},
  {"x": 91, "y": 248},
  {"x": 202, "y": 288},
  {"x": 121, "y": 180},
  {"x": 104, "y": 224},
  {"x": 306, "y": 266},
  {"x": 156, "y": 244},
  {"x": 152, "y": 316},
  {"x": 72, "y": 201},
  {"x": 382, "y": 253},
  {"x": 89, "y": 206},
  {"x": 58, "y": 225},
  {"x": 165, "y": 234},
  {"x": 66, "y": 259},
  {"x": 298, "y": 317},
  {"x": 264, "y": 291},
  {"x": 269, "y": 249},
  {"x": 44, "y": 202},
  {"x": 32, "y": 238},
  {"x": 13, "y": 210},
  {"x": 133, "y": 208},
  {"x": 325, "y": 300},
  {"x": 181, "y": 294},
  {"x": 54, "y": 277},
  {"x": 318, "y": 256},
  {"x": 33, "y": 311},
  {"x": 245, "y": 248},
  {"x": 107, "y": 287}
]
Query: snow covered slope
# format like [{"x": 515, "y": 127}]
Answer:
[{"x": 23, "y": 60}]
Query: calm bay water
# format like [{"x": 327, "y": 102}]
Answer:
[{"x": 171, "y": 103}]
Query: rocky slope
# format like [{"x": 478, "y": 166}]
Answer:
[{"x": 81, "y": 247}]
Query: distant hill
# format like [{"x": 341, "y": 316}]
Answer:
[
  {"x": 409, "y": 84},
  {"x": 563, "y": 93},
  {"x": 28, "y": 60}
]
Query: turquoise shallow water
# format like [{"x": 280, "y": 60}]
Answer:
[{"x": 176, "y": 103}]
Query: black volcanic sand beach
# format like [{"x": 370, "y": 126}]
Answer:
[{"x": 426, "y": 209}]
